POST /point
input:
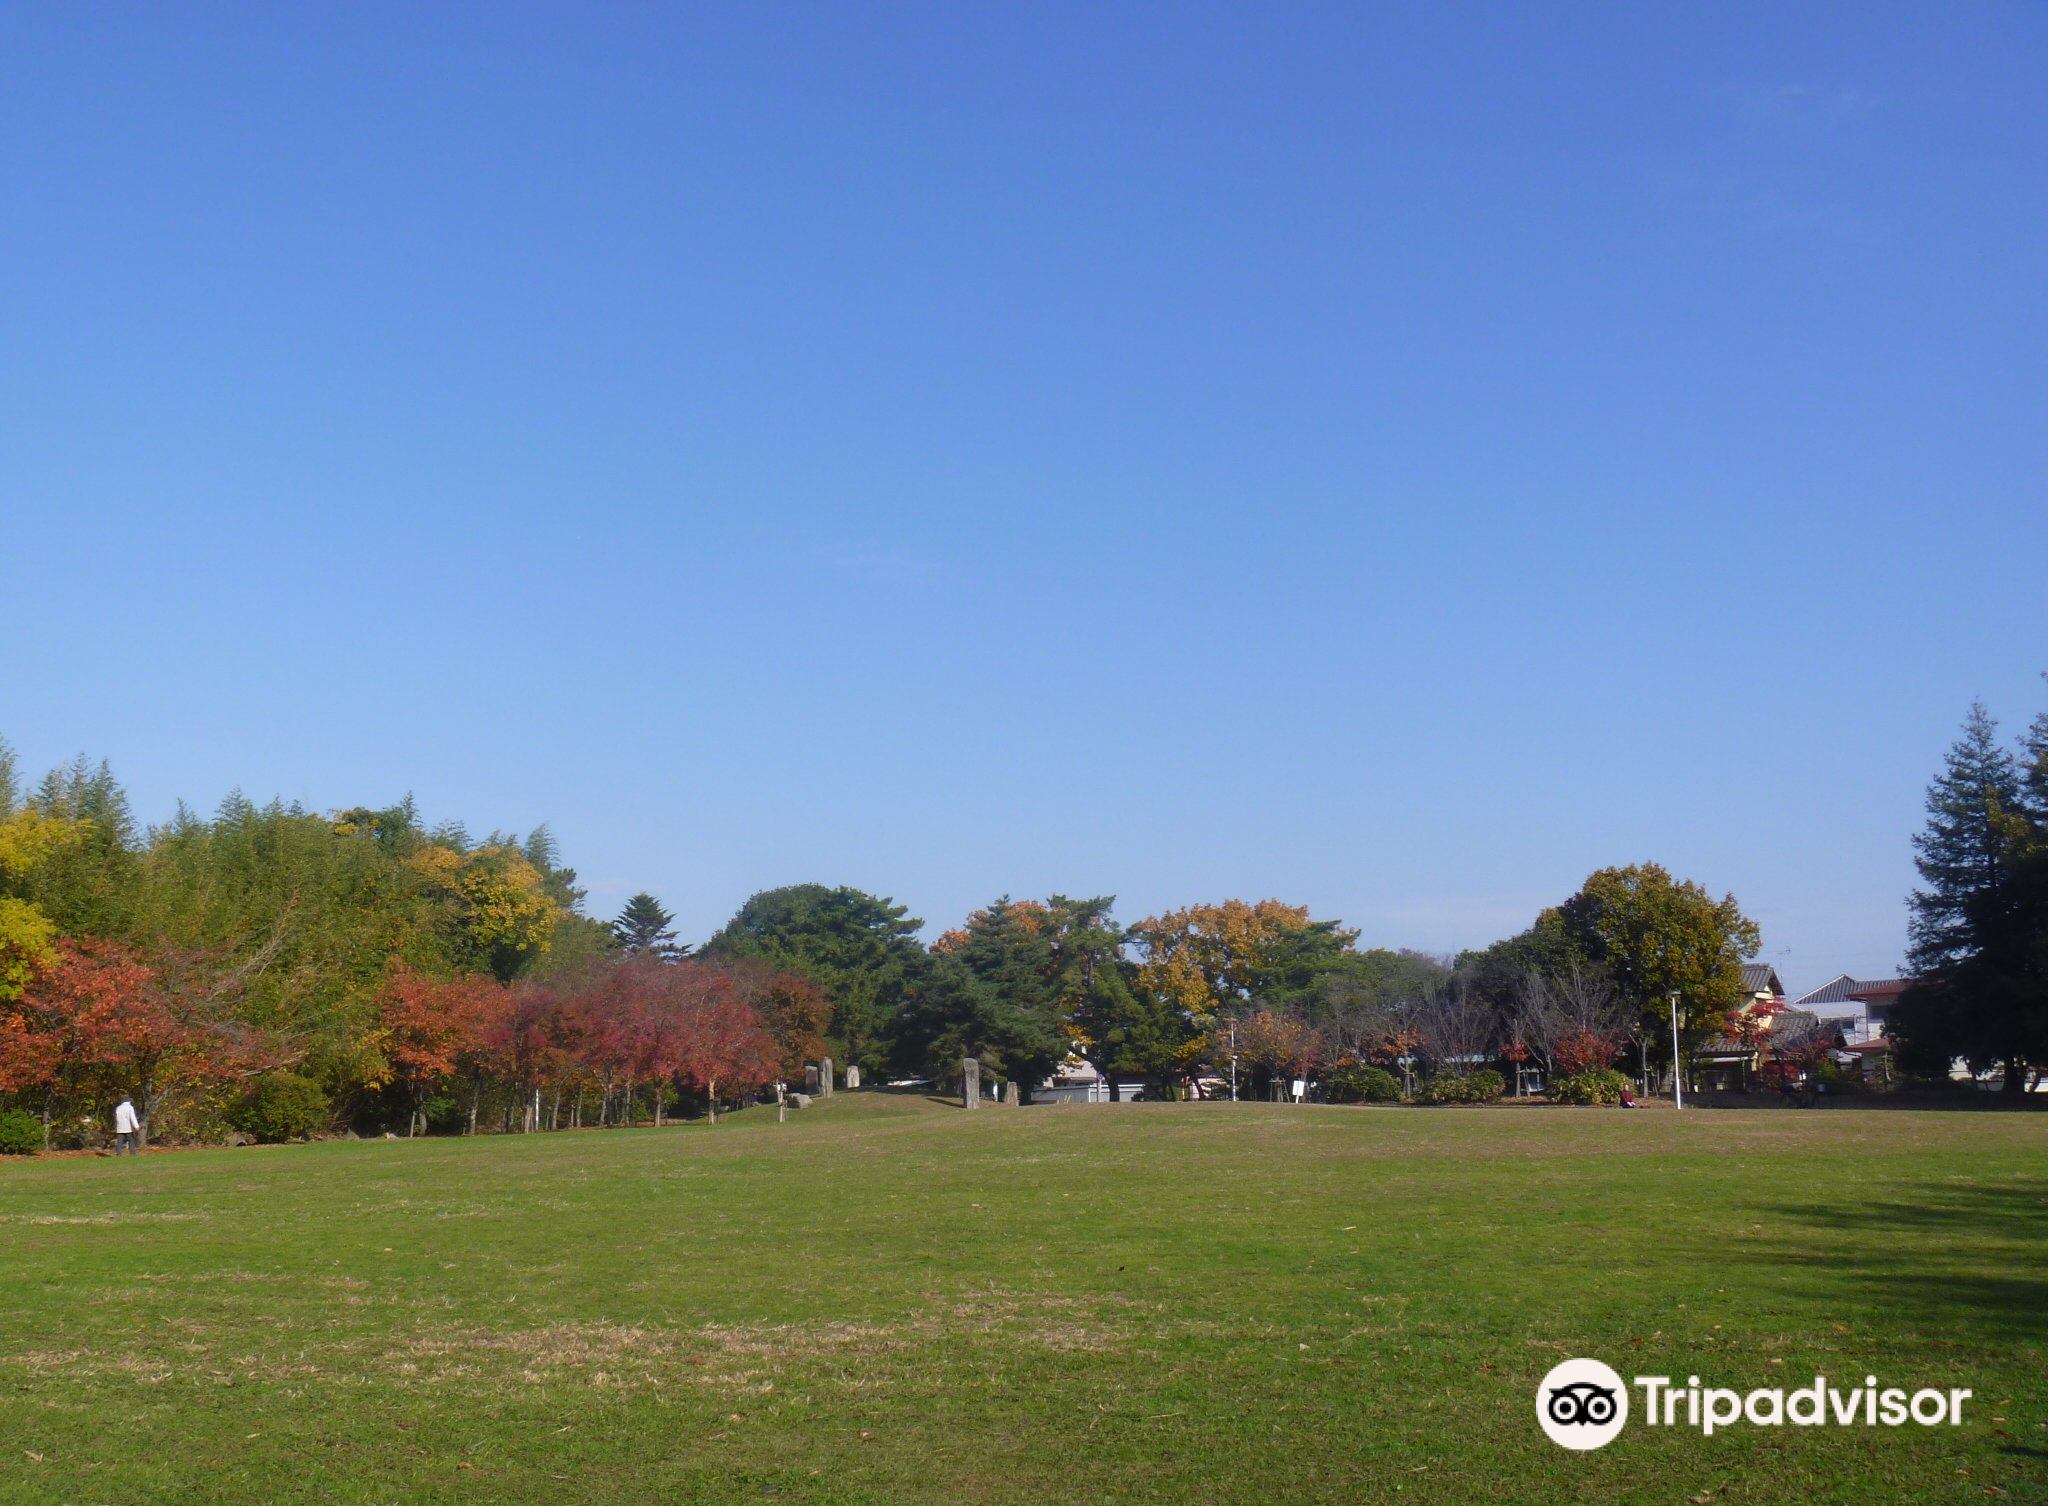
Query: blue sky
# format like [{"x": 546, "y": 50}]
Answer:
[{"x": 1395, "y": 458}]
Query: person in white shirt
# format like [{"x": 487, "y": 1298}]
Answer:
[{"x": 126, "y": 1127}]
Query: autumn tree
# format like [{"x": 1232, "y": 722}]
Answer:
[
  {"x": 1276, "y": 1047},
  {"x": 433, "y": 1028},
  {"x": 497, "y": 901},
  {"x": 725, "y": 1044},
  {"x": 29, "y": 840},
  {"x": 1654, "y": 936},
  {"x": 1209, "y": 960},
  {"x": 792, "y": 1008},
  {"x": 152, "y": 1031}
]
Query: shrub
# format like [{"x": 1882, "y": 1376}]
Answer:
[
  {"x": 446, "y": 1114},
  {"x": 1355, "y": 1082},
  {"x": 284, "y": 1106},
  {"x": 1833, "y": 1077},
  {"x": 1600, "y": 1085},
  {"x": 1483, "y": 1086},
  {"x": 21, "y": 1133}
]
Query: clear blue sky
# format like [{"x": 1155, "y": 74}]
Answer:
[{"x": 1395, "y": 458}]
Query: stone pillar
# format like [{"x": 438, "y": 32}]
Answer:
[
  {"x": 810, "y": 1077},
  {"x": 1010, "y": 1094},
  {"x": 970, "y": 1088},
  {"x": 852, "y": 1076},
  {"x": 825, "y": 1077}
]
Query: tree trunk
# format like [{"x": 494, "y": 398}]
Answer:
[
  {"x": 149, "y": 1101},
  {"x": 2015, "y": 1075},
  {"x": 711, "y": 1100}
]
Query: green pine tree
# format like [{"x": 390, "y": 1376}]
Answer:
[
  {"x": 1977, "y": 946},
  {"x": 1961, "y": 853},
  {"x": 645, "y": 929}
]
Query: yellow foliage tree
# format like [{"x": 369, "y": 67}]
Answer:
[
  {"x": 27, "y": 936},
  {"x": 503, "y": 910},
  {"x": 1207, "y": 958}
]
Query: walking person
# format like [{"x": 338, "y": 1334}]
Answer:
[{"x": 127, "y": 1127}]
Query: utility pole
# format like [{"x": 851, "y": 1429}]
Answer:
[{"x": 1677, "y": 1076}]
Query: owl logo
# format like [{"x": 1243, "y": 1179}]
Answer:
[
  {"x": 1581, "y": 1405},
  {"x": 1581, "y": 1402}
]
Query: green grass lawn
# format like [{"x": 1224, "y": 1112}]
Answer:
[{"x": 890, "y": 1300}]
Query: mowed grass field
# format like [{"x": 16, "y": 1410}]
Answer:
[{"x": 888, "y": 1299}]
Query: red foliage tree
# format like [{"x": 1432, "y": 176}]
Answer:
[
  {"x": 791, "y": 1008},
  {"x": 434, "y": 1028},
  {"x": 1583, "y": 1049},
  {"x": 151, "y": 1031}
]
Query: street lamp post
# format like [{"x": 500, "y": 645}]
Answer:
[{"x": 1677, "y": 1076}]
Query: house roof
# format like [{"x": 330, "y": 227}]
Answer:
[
  {"x": 1761, "y": 978},
  {"x": 1882, "y": 990},
  {"x": 1834, "y": 991},
  {"x": 1787, "y": 1024}
]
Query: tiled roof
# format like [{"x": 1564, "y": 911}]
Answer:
[
  {"x": 1761, "y": 978},
  {"x": 1834, "y": 991},
  {"x": 1881, "y": 990}
]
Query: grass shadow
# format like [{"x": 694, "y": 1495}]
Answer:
[{"x": 1967, "y": 1259}]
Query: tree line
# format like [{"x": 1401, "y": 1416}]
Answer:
[{"x": 285, "y": 968}]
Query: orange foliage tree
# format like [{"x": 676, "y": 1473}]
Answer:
[
  {"x": 433, "y": 1028},
  {"x": 107, "y": 1019}
]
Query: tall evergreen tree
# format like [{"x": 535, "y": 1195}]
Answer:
[
  {"x": 1130, "y": 1031},
  {"x": 1979, "y": 929},
  {"x": 1013, "y": 1021},
  {"x": 645, "y": 929},
  {"x": 1961, "y": 853},
  {"x": 860, "y": 948},
  {"x": 90, "y": 888}
]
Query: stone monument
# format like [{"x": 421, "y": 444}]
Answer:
[{"x": 970, "y": 1089}]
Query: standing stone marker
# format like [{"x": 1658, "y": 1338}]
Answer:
[
  {"x": 852, "y": 1076},
  {"x": 970, "y": 1088},
  {"x": 825, "y": 1077},
  {"x": 1010, "y": 1095},
  {"x": 810, "y": 1077}
]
